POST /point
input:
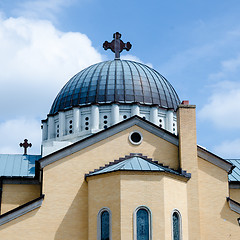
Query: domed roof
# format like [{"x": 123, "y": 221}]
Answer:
[{"x": 120, "y": 81}]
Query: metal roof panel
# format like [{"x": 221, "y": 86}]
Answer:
[
  {"x": 18, "y": 165},
  {"x": 134, "y": 163},
  {"x": 235, "y": 175}
]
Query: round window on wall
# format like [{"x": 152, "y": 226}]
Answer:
[{"x": 135, "y": 137}]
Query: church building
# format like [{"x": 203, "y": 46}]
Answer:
[{"x": 119, "y": 161}]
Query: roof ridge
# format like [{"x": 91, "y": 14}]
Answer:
[{"x": 140, "y": 155}]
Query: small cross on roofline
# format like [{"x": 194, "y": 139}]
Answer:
[
  {"x": 25, "y": 145},
  {"x": 117, "y": 45}
]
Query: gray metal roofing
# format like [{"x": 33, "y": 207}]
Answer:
[
  {"x": 18, "y": 165},
  {"x": 121, "y": 81},
  {"x": 133, "y": 164},
  {"x": 235, "y": 175}
]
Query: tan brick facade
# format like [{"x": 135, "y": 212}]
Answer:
[{"x": 72, "y": 202}]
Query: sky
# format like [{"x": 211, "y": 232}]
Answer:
[{"x": 194, "y": 44}]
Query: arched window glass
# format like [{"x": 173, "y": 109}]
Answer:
[
  {"x": 105, "y": 225},
  {"x": 142, "y": 224},
  {"x": 176, "y": 226}
]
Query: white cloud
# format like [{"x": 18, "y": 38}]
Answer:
[
  {"x": 135, "y": 59},
  {"x": 41, "y": 9},
  {"x": 223, "y": 108},
  {"x": 14, "y": 131},
  {"x": 36, "y": 61},
  {"x": 228, "y": 68},
  {"x": 228, "y": 149}
]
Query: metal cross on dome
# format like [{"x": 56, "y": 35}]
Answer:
[
  {"x": 25, "y": 144},
  {"x": 117, "y": 45}
]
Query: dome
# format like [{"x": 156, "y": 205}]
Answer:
[{"x": 116, "y": 81}]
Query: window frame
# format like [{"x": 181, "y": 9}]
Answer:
[
  {"x": 180, "y": 223},
  {"x": 135, "y": 221},
  {"x": 99, "y": 222}
]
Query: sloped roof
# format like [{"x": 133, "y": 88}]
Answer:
[
  {"x": 136, "y": 162},
  {"x": 99, "y": 136},
  {"x": 121, "y": 126},
  {"x": 18, "y": 165},
  {"x": 235, "y": 175},
  {"x": 214, "y": 159}
]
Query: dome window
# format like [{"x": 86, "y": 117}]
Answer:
[{"x": 135, "y": 138}]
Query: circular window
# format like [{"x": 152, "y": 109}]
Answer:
[
  {"x": 135, "y": 137},
  {"x": 105, "y": 117}
]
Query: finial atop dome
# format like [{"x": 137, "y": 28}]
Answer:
[{"x": 117, "y": 45}]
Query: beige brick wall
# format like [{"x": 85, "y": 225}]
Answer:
[
  {"x": 123, "y": 192},
  {"x": 64, "y": 212},
  {"x": 188, "y": 161},
  {"x": 104, "y": 191},
  {"x": 235, "y": 194},
  {"x": 14, "y": 195},
  {"x": 218, "y": 221}
]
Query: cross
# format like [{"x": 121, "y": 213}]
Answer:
[
  {"x": 117, "y": 45},
  {"x": 25, "y": 144}
]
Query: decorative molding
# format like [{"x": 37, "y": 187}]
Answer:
[
  {"x": 21, "y": 210},
  {"x": 212, "y": 158},
  {"x": 234, "y": 185},
  {"x": 99, "y": 223},
  {"x": 20, "y": 180},
  {"x": 88, "y": 141},
  {"x": 235, "y": 206},
  {"x": 135, "y": 143}
]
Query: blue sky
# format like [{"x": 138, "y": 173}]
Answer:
[{"x": 194, "y": 44}]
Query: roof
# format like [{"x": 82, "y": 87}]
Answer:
[
  {"x": 18, "y": 165},
  {"x": 120, "y": 81},
  {"x": 21, "y": 210},
  {"x": 121, "y": 126},
  {"x": 235, "y": 175},
  {"x": 99, "y": 136},
  {"x": 136, "y": 162},
  {"x": 214, "y": 159}
]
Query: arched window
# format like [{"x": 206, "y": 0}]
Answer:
[
  {"x": 104, "y": 224},
  {"x": 142, "y": 222},
  {"x": 176, "y": 225}
]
